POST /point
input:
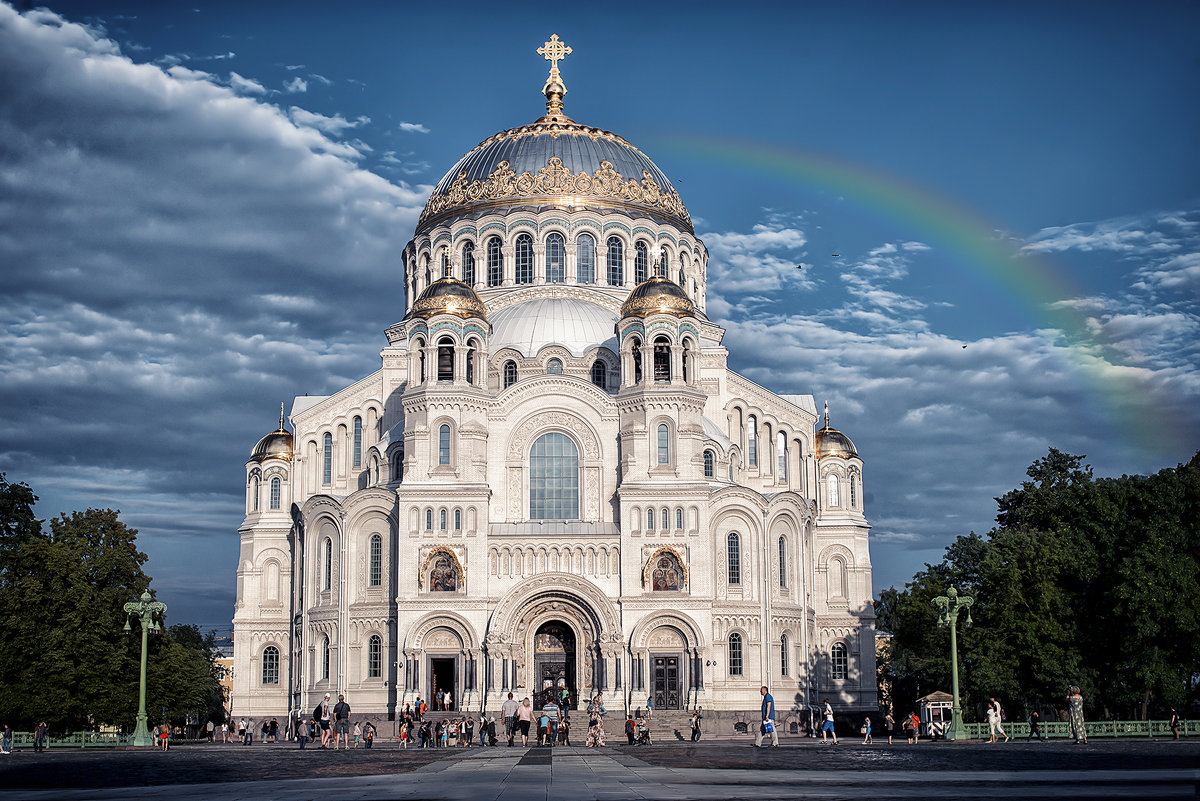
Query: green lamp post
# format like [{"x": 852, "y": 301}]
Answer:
[
  {"x": 149, "y": 613},
  {"x": 951, "y": 604}
]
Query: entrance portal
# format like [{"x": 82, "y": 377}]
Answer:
[
  {"x": 665, "y": 681},
  {"x": 441, "y": 677},
  {"x": 554, "y": 665}
]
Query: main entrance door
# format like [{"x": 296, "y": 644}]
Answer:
[
  {"x": 554, "y": 664},
  {"x": 665, "y": 681},
  {"x": 441, "y": 676}
]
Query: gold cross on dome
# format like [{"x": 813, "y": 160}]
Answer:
[{"x": 554, "y": 51}]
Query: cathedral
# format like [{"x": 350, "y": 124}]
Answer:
[{"x": 554, "y": 482}]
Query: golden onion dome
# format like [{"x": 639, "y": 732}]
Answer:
[
  {"x": 831, "y": 442},
  {"x": 658, "y": 296},
  {"x": 276, "y": 445},
  {"x": 448, "y": 296},
  {"x": 554, "y": 162}
]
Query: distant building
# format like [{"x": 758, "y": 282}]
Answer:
[{"x": 554, "y": 480}]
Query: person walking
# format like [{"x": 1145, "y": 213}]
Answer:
[
  {"x": 649, "y": 707},
  {"x": 211, "y": 729},
  {"x": 302, "y": 733},
  {"x": 552, "y": 713},
  {"x": 249, "y": 739},
  {"x": 524, "y": 720},
  {"x": 164, "y": 736},
  {"x": 323, "y": 714},
  {"x": 697, "y": 716},
  {"x": 1034, "y": 728},
  {"x": 1174, "y": 723},
  {"x": 341, "y": 723},
  {"x": 827, "y": 726},
  {"x": 224, "y": 731},
  {"x": 912, "y": 725},
  {"x": 999, "y": 719},
  {"x": 993, "y": 723},
  {"x": 1075, "y": 713},
  {"x": 39, "y": 737},
  {"x": 508, "y": 717},
  {"x": 890, "y": 723},
  {"x": 6, "y": 741},
  {"x": 357, "y": 733},
  {"x": 768, "y": 720},
  {"x": 596, "y": 713},
  {"x": 564, "y": 731},
  {"x": 866, "y": 730},
  {"x": 404, "y": 724}
]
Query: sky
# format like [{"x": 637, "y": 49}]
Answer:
[{"x": 972, "y": 228}]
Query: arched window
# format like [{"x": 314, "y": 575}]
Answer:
[
  {"x": 495, "y": 262},
  {"x": 752, "y": 441},
  {"x": 585, "y": 254},
  {"x": 442, "y": 519},
  {"x": 616, "y": 261},
  {"x": 468, "y": 262},
  {"x": 325, "y": 659},
  {"x": 554, "y": 367},
  {"x": 429, "y": 520},
  {"x": 679, "y": 518},
  {"x": 640, "y": 262},
  {"x": 444, "y": 445},
  {"x": 510, "y": 373},
  {"x": 356, "y": 454},
  {"x": 327, "y": 567},
  {"x": 554, "y": 478},
  {"x": 854, "y": 490},
  {"x": 375, "y": 657},
  {"x": 600, "y": 374},
  {"x": 445, "y": 262},
  {"x": 472, "y": 349},
  {"x": 831, "y": 486},
  {"x": 443, "y": 576},
  {"x": 666, "y": 519},
  {"x": 458, "y": 519},
  {"x": 781, "y": 456},
  {"x": 662, "y": 359},
  {"x": 839, "y": 661},
  {"x": 783, "y": 655},
  {"x": 733, "y": 552},
  {"x": 664, "y": 445},
  {"x": 276, "y": 493},
  {"x": 255, "y": 490},
  {"x": 682, "y": 280},
  {"x": 445, "y": 359},
  {"x": 635, "y": 350},
  {"x": 556, "y": 259},
  {"x": 421, "y": 359},
  {"x": 667, "y": 574},
  {"x": 523, "y": 262},
  {"x": 782, "y": 561},
  {"x": 327, "y": 459},
  {"x": 710, "y": 464},
  {"x": 836, "y": 578},
  {"x": 735, "y": 654},
  {"x": 270, "y": 665},
  {"x": 375, "y": 574},
  {"x": 685, "y": 358}
]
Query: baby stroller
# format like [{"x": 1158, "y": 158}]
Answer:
[{"x": 641, "y": 735}]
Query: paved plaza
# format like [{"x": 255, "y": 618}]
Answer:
[{"x": 719, "y": 769}]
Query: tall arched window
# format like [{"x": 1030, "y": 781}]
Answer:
[
  {"x": 556, "y": 259},
  {"x": 375, "y": 574},
  {"x": 662, "y": 359},
  {"x": 458, "y": 519},
  {"x": 445, "y": 263},
  {"x": 429, "y": 520},
  {"x": 444, "y": 444},
  {"x": 616, "y": 262},
  {"x": 325, "y": 659},
  {"x": 854, "y": 490},
  {"x": 831, "y": 486},
  {"x": 585, "y": 255},
  {"x": 554, "y": 367},
  {"x": 554, "y": 478},
  {"x": 442, "y": 520},
  {"x": 600, "y": 374},
  {"x": 445, "y": 359},
  {"x": 276, "y": 492},
  {"x": 327, "y": 566},
  {"x": 635, "y": 351},
  {"x": 640, "y": 262},
  {"x": 836, "y": 578},
  {"x": 679, "y": 518},
  {"x": 472, "y": 350},
  {"x": 782, "y": 561},
  {"x": 710, "y": 464},
  {"x": 327, "y": 459},
  {"x": 733, "y": 553},
  {"x": 664, "y": 445},
  {"x": 510, "y": 373},
  {"x": 356, "y": 454},
  {"x": 495, "y": 262},
  {"x": 421, "y": 359},
  {"x": 666, "y": 518},
  {"x": 685, "y": 355},
  {"x": 255, "y": 491},
  {"x": 270, "y": 665},
  {"x": 375, "y": 657},
  {"x": 783, "y": 655},
  {"x": 781, "y": 456},
  {"x": 752, "y": 441},
  {"x": 523, "y": 259},
  {"x": 735, "y": 654},
  {"x": 839, "y": 661},
  {"x": 468, "y": 262}
]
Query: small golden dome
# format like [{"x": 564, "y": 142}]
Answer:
[
  {"x": 658, "y": 295},
  {"x": 448, "y": 296},
  {"x": 831, "y": 442},
  {"x": 276, "y": 445}
]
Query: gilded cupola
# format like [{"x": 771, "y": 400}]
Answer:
[
  {"x": 276, "y": 445},
  {"x": 831, "y": 442},
  {"x": 658, "y": 296}
]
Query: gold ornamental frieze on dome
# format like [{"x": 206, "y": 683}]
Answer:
[{"x": 557, "y": 180}]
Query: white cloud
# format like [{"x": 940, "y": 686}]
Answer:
[
  {"x": 764, "y": 259},
  {"x": 334, "y": 125},
  {"x": 245, "y": 85},
  {"x": 320, "y": 79},
  {"x": 295, "y": 85},
  {"x": 413, "y": 127}
]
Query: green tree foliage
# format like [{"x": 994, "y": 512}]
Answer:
[
  {"x": 66, "y": 659},
  {"x": 1084, "y": 581}
]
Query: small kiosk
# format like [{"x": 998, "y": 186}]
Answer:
[{"x": 934, "y": 711}]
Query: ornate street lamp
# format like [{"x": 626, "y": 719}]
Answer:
[
  {"x": 150, "y": 614},
  {"x": 951, "y": 604}
]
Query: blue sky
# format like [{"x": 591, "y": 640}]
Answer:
[{"x": 996, "y": 206}]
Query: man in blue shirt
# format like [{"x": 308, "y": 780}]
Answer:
[{"x": 768, "y": 720}]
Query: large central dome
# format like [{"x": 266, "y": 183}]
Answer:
[{"x": 555, "y": 162}]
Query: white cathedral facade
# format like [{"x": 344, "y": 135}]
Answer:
[{"x": 554, "y": 480}]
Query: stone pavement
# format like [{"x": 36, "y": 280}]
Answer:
[{"x": 717, "y": 770}]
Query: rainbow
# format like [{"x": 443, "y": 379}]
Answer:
[{"x": 970, "y": 244}]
